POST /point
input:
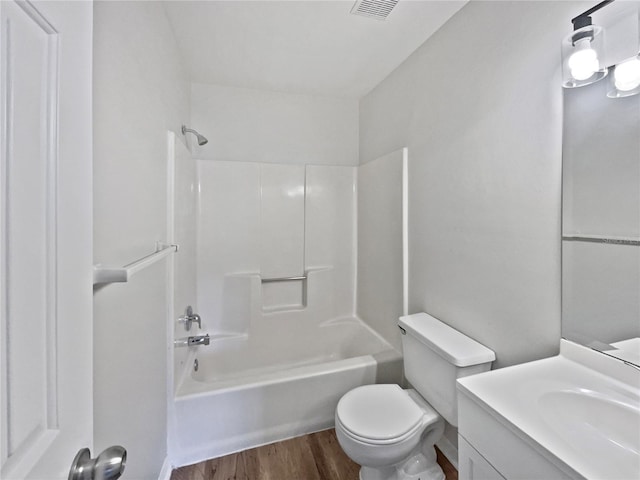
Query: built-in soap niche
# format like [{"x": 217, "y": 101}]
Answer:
[
  {"x": 281, "y": 294},
  {"x": 312, "y": 295},
  {"x": 251, "y": 297}
]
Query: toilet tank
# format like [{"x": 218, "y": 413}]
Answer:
[{"x": 435, "y": 355}]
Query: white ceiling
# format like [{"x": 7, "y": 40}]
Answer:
[{"x": 312, "y": 47}]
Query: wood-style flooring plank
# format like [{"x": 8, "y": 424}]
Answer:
[
  {"x": 331, "y": 461},
  {"x": 450, "y": 472},
  {"x": 296, "y": 459},
  {"x": 223, "y": 468},
  {"x": 317, "y": 456},
  {"x": 250, "y": 463},
  {"x": 190, "y": 472},
  {"x": 269, "y": 465}
]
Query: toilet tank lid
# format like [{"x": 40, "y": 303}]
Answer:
[{"x": 450, "y": 344}]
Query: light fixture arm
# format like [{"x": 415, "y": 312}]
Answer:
[{"x": 584, "y": 19}]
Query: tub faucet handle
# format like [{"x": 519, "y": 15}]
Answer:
[{"x": 189, "y": 317}]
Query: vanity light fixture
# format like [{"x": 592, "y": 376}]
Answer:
[
  {"x": 625, "y": 79},
  {"x": 583, "y": 51}
]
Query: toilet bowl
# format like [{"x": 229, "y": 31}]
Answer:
[
  {"x": 391, "y": 431},
  {"x": 386, "y": 427}
]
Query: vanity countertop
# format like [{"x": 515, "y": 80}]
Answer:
[
  {"x": 580, "y": 408},
  {"x": 628, "y": 350}
]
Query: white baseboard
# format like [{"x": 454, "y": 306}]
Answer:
[
  {"x": 165, "y": 472},
  {"x": 449, "y": 450}
]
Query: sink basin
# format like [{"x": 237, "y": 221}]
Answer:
[
  {"x": 579, "y": 411},
  {"x": 600, "y": 424}
]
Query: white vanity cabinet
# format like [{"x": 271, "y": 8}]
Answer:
[
  {"x": 491, "y": 449},
  {"x": 472, "y": 465}
]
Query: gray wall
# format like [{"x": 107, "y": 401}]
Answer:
[
  {"x": 139, "y": 93},
  {"x": 249, "y": 125},
  {"x": 479, "y": 106}
]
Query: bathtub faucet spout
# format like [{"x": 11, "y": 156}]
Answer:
[{"x": 198, "y": 340}]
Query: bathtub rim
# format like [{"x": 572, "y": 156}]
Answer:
[
  {"x": 188, "y": 387},
  {"x": 191, "y": 388}
]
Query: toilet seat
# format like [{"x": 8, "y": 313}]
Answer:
[{"x": 382, "y": 414}]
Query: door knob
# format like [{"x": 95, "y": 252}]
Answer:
[{"x": 109, "y": 465}]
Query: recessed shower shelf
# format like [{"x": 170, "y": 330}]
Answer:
[
  {"x": 104, "y": 274},
  {"x": 283, "y": 279}
]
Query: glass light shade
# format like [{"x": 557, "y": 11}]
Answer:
[
  {"x": 583, "y": 57},
  {"x": 624, "y": 81}
]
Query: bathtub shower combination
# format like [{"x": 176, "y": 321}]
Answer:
[
  {"x": 275, "y": 280},
  {"x": 252, "y": 391}
]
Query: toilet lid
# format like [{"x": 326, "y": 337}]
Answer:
[{"x": 378, "y": 412}]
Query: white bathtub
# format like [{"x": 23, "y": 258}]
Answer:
[{"x": 275, "y": 384}]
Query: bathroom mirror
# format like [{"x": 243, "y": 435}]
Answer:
[{"x": 601, "y": 221}]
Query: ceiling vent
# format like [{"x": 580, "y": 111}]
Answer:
[{"x": 378, "y": 9}]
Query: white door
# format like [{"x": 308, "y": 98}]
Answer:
[{"x": 45, "y": 236}]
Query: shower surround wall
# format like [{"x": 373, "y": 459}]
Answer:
[
  {"x": 263, "y": 221},
  {"x": 181, "y": 230},
  {"x": 380, "y": 244}
]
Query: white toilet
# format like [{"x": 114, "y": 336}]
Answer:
[{"x": 391, "y": 432}]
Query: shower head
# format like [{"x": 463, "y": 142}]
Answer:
[{"x": 201, "y": 138}]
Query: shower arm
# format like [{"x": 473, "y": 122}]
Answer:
[{"x": 201, "y": 138}]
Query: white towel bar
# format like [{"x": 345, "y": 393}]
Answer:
[{"x": 103, "y": 274}]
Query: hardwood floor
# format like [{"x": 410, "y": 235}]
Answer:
[
  {"x": 450, "y": 472},
  {"x": 317, "y": 456}
]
